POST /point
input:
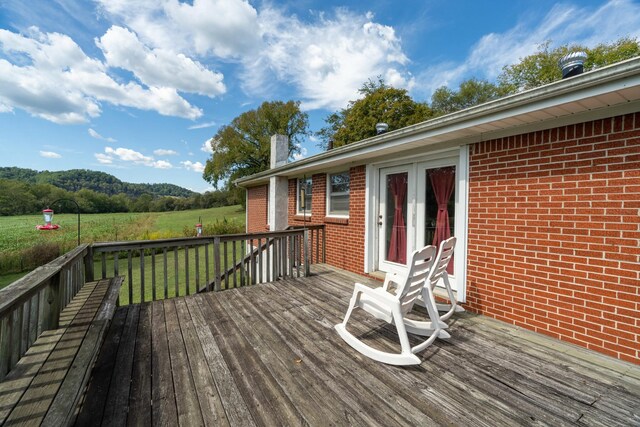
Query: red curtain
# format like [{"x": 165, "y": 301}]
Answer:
[
  {"x": 397, "y": 185},
  {"x": 442, "y": 182}
]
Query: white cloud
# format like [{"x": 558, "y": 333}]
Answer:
[
  {"x": 52, "y": 78},
  {"x": 163, "y": 152},
  {"x": 105, "y": 159},
  {"x": 128, "y": 155},
  {"x": 131, "y": 156},
  {"x": 162, "y": 164},
  {"x": 206, "y": 146},
  {"x": 327, "y": 60},
  {"x": 563, "y": 24},
  {"x": 202, "y": 125},
  {"x": 195, "y": 167},
  {"x": 50, "y": 155},
  {"x": 158, "y": 67},
  {"x": 223, "y": 28},
  {"x": 96, "y": 135}
]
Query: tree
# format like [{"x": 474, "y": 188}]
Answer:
[
  {"x": 542, "y": 67},
  {"x": 15, "y": 198},
  {"x": 380, "y": 103},
  {"x": 471, "y": 92},
  {"x": 531, "y": 71},
  {"x": 243, "y": 147}
]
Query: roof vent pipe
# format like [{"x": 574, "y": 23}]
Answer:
[
  {"x": 572, "y": 64},
  {"x": 381, "y": 128}
]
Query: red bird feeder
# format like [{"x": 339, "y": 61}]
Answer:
[{"x": 48, "y": 219}]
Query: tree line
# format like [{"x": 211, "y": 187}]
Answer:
[
  {"x": 101, "y": 182},
  {"x": 21, "y": 198}
]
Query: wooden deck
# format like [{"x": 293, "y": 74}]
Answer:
[{"x": 268, "y": 355}]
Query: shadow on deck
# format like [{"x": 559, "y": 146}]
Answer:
[{"x": 268, "y": 354}]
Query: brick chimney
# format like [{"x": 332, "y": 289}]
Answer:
[{"x": 279, "y": 185}]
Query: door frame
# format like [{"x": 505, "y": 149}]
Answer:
[{"x": 459, "y": 156}]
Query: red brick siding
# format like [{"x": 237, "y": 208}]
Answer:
[
  {"x": 554, "y": 233},
  {"x": 257, "y": 209},
  {"x": 344, "y": 238}
]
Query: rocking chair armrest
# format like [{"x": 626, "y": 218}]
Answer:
[
  {"x": 374, "y": 293},
  {"x": 392, "y": 277}
]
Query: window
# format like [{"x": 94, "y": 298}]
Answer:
[
  {"x": 338, "y": 194},
  {"x": 304, "y": 186}
]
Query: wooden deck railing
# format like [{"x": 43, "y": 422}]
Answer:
[
  {"x": 153, "y": 269},
  {"x": 161, "y": 269},
  {"x": 33, "y": 304}
]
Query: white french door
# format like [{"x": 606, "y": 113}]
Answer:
[{"x": 418, "y": 206}]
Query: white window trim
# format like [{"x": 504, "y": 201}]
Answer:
[
  {"x": 307, "y": 211},
  {"x": 328, "y": 195}
]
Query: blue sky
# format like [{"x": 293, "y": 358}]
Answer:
[{"x": 136, "y": 87}]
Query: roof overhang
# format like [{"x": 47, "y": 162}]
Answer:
[{"x": 601, "y": 93}]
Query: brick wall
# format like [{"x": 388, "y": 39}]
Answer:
[
  {"x": 257, "y": 209},
  {"x": 344, "y": 237},
  {"x": 554, "y": 233}
]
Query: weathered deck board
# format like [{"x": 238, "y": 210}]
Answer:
[
  {"x": 268, "y": 355},
  {"x": 140, "y": 402}
]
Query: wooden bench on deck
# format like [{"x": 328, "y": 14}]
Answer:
[{"x": 48, "y": 383}]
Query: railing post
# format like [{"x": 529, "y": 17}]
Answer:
[
  {"x": 324, "y": 244},
  {"x": 88, "y": 264},
  {"x": 5, "y": 345},
  {"x": 53, "y": 300},
  {"x": 216, "y": 263},
  {"x": 307, "y": 270}
]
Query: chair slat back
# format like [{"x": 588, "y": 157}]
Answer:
[
  {"x": 421, "y": 264},
  {"x": 442, "y": 261}
]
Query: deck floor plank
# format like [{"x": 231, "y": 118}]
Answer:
[
  {"x": 268, "y": 355},
  {"x": 205, "y": 387},
  {"x": 234, "y": 406},
  {"x": 102, "y": 373},
  {"x": 117, "y": 403},
  {"x": 140, "y": 399},
  {"x": 373, "y": 399},
  {"x": 187, "y": 404},
  {"x": 316, "y": 403},
  {"x": 163, "y": 400},
  {"x": 270, "y": 403}
]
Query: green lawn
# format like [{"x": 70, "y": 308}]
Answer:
[
  {"x": 174, "y": 222},
  {"x": 18, "y": 233}
]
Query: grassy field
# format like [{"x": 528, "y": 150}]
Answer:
[{"x": 18, "y": 233}]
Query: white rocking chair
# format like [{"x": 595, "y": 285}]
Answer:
[
  {"x": 425, "y": 267},
  {"x": 446, "y": 247}
]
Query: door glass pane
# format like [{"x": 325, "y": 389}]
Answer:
[
  {"x": 396, "y": 218},
  {"x": 440, "y": 206}
]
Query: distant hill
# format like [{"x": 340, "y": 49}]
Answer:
[{"x": 101, "y": 182}]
